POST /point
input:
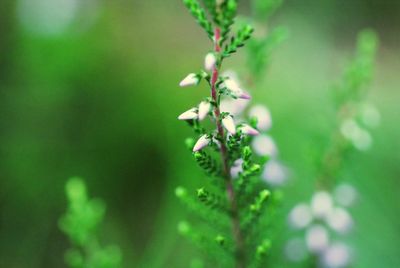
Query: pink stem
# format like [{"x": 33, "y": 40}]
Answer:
[{"x": 240, "y": 256}]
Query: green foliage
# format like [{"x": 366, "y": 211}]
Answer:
[
  {"x": 199, "y": 14},
  {"x": 80, "y": 223},
  {"x": 358, "y": 73},
  {"x": 263, "y": 9},
  {"x": 260, "y": 50},
  {"x": 238, "y": 41}
]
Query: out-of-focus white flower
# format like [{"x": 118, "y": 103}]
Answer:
[
  {"x": 236, "y": 168},
  {"x": 345, "y": 195},
  {"x": 201, "y": 143},
  {"x": 317, "y": 238},
  {"x": 300, "y": 216},
  {"x": 274, "y": 173},
  {"x": 263, "y": 115},
  {"x": 190, "y": 80},
  {"x": 204, "y": 108},
  {"x": 229, "y": 124},
  {"x": 339, "y": 220},
  {"x": 210, "y": 61},
  {"x": 248, "y": 130},
  {"x": 370, "y": 115},
  {"x": 321, "y": 204},
  {"x": 348, "y": 128},
  {"x": 264, "y": 145},
  {"x": 233, "y": 106},
  {"x": 360, "y": 138},
  {"x": 295, "y": 250},
  {"x": 233, "y": 86},
  {"x": 336, "y": 255},
  {"x": 189, "y": 115}
]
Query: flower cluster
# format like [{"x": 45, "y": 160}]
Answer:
[{"x": 325, "y": 218}]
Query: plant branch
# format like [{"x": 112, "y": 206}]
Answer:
[{"x": 237, "y": 233}]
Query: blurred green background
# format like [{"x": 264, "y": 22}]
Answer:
[{"x": 89, "y": 88}]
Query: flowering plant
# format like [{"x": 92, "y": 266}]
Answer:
[
  {"x": 230, "y": 149},
  {"x": 326, "y": 219}
]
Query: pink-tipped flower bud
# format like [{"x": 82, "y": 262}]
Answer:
[
  {"x": 233, "y": 86},
  {"x": 190, "y": 80},
  {"x": 204, "y": 108},
  {"x": 210, "y": 61},
  {"x": 229, "y": 124},
  {"x": 248, "y": 130},
  {"x": 189, "y": 115},
  {"x": 202, "y": 142}
]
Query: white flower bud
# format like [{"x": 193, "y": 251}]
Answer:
[
  {"x": 274, "y": 173},
  {"x": 340, "y": 220},
  {"x": 210, "y": 61},
  {"x": 370, "y": 115},
  {"x": 233, "y": 106},
  {"x": 190, "y": 80},
  {"x": 189, "y": 115},
  {"x": 264, "y": 145},
  {"x": 360, "y": 138},
  {"x": 300, "y": 216},
  {"x": 204, "y": 108},
  {"x": 317, "y": 238},
  {"x": 263, "y": 115},
  {"x": 236, "y": 168},
  {"x": 321, "y": 204},
  {"x": 336, "y": 255},
  {"x": 345, "y": 195},
  {"x": 202, "y": 142},
  {"x": 248, "y": 130},
  {"x": 229, "y": 124},
  {"x": 233, "y": 86}
]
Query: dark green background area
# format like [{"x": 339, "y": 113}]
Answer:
[{"x": 100, "y": 100}]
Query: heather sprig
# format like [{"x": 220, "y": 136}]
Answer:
[
  {"x": 326, "y": 220},
  {"x": 232, "y": 203},
  {"x": 81, "y": 223}
]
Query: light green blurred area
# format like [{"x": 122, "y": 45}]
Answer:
[{"x": 89, "y": 88}]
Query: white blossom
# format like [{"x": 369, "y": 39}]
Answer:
[
  {"x": 202, "y": 142},
  {"x": 236, "y": 168},
  {"x": 264, "y": 145},
  {"x": 317, "y": 238},
  {"x": 339, "y": 220},
  {"x": 370, "y": 115},
  {"x": 229, "y": 124},
  {"x": 233, "y": 86},
  {"x": 360, "y": 138},
  {"x": 345, "y": 195},
  {"x": 321, "y": 204},
  {"x": 263, "y": 115},
  {"x": 336, "y": 255},
  {"x": 274, "y": 173},
  {"x": 189, "y": 115},
  {"x": 210, "y": 61},
  {"x": 204, "y": 108},
  {"x": 233, "y": 106},
  {"x": 190, "y": 80},
  {"x": 248, "y": 130},
  {"x": 300, "y": 216}
]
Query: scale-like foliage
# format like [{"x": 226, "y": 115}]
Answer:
[{"x": 80, "y": 223}]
